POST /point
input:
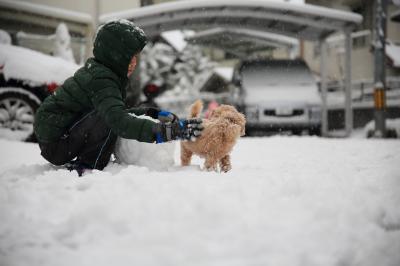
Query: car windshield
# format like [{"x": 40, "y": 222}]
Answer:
[{"x": 282, "y": 74}]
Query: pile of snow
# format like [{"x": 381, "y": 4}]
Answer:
[
  {"x": 5, "y": 38},
  {"x": 390, "y": 124},
  {"x": 155, "y": 157},
  {"x": 288, "y": 201},
  {"x": 34, "y": 67}
]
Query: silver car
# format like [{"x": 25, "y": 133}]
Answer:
[{"x": 279, "y": 95}]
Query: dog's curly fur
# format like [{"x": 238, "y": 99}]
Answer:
[{"x": 224, "y": 126}]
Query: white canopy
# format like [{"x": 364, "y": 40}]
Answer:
[{"x": 302, "y": 21}]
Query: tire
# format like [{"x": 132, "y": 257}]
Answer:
[
  {"x": 315, "y": 131},
  {"x": 17, "y": 112}
]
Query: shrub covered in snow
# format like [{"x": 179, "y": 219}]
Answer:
[
  {"x": 180, "y": 73},
  {"x": 62, "y": 44}
]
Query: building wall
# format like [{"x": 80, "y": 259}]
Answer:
[
  {"x": 82, "y": 46},
  {"x": 362, "y": 55},
  {"x": 88, "y": 6}
]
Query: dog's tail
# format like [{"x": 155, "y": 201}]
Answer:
[{"x": 196, "y": 108}]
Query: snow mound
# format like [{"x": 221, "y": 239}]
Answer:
[
  {"x": 158, "y": 157},
  {"x": 390, "y": 124}
]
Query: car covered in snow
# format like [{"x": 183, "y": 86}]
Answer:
[
  {"x": 278, "y": 95},
  {"x": 26, "y": 78}
]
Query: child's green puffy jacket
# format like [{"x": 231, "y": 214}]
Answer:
[{"x": 99, "y": 85}]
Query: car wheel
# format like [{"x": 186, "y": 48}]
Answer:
[
  {"x": 315, "y": 131},
  {"x": 17, "y": 111}
]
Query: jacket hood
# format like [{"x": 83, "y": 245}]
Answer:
[{"x": 116, "y": 43}]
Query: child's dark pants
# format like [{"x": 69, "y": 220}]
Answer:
[{"x": 89, "y": 140}]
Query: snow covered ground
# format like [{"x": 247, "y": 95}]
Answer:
[{"x": 288, "y": 201}]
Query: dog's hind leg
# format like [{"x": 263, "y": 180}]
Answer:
[
  {"x": 225, "y": 163},
  {"x": 186, "y": 155}
]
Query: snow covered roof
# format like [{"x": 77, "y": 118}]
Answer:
[
  {"x": 395, "y": 16},
  {"x": 176, "y": 38},
  {"x": 47, "y": 11},
  {"x": 393, "y": 52},
  {"x": 296, "y": 20},
  {"x": 241, "y": 41},
  {"x": 33, "y": 67},
  {"x": 225, "y": 72}
]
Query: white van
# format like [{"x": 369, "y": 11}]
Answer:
[{"x": 279, "y": 95}]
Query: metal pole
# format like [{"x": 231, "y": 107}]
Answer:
[
  {"x": 324, "y": 93},
  {"x": 96, "y": 14},
  {"x": 146, "y": 2},
  {"x": 347, "y": 83},
  {"x": 379, "y": 70}
]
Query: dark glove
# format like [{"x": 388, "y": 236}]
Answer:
[
  {"x": 178, "y": 129},
  {"x": 167, "y": 131},
  {"x": 152, "y": 112},
  {"x": 162, "y": 115},
  {"x": 166, "y": 116},
  {"x": 191, "y": 128}
]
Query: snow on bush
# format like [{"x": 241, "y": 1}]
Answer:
[
  {"x": 182, "y": 74},
  {"x": 62, "y": 43},
  {"x": 5, "y": 38}
]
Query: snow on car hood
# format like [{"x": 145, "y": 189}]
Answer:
[
  {"x": 33, "y": 67},
  {"x": 281, "y": 95},
  {"x": 279, "y": 84}
]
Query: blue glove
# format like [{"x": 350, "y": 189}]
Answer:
[
  {"x": 167, "y": 116},
  {"x": 171, "y": 128}
]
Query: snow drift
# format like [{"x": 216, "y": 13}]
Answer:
[{"x": 287, "y": 201}]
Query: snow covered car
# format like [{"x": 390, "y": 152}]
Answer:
[
  {"x": 278, "y": 95},
  {"x": 26, "y": 78}
]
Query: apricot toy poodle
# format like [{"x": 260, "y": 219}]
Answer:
[{"x": 221, "y": 131}]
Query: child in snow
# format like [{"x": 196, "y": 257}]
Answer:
[{"x": 79, "y": 124}]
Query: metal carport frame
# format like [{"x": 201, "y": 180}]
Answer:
[
  {"x": 242, "y": 42},
  {"x": 302, "y": 21}
]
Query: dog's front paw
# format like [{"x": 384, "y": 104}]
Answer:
[
  {"x": 226, "y": 168},
  {"x": 210, "y": 168}
]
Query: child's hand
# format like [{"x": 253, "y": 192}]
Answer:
[
  {"x": 167, "y": 116},
  {"x": 152, "y": 112},
  {"x": 178, "y": 129},
  {"x": 167, "y": 131}
]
